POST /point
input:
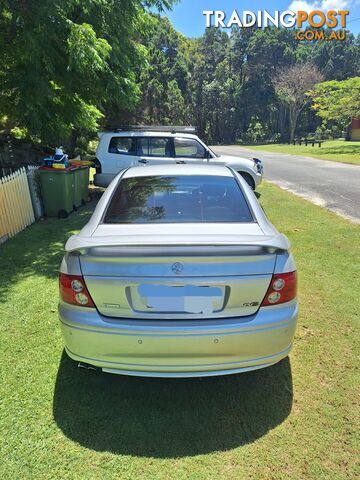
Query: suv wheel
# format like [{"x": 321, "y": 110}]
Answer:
[{"x": 246, "y": 176}]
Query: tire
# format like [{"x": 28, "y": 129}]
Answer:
[
  {"x": 249, "y": 180},
  {"x": 62, "y": 214}
]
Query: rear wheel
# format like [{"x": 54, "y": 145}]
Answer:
[
  {"x": 62, "y": 214},
  {"x": 246, "y": 176}
]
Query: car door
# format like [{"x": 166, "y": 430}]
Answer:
[
  {"x": 155, "y": 150},
  {"x": 189, "y": 150},
  {"x": 121, "y": 154}
]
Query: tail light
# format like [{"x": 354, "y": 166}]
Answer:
[
  {"x": 282, "y": 289},
  {"x": 73, "y": 290}
]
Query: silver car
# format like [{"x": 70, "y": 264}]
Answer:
[{"x": 178, "y": 274}]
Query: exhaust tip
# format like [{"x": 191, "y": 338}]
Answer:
[{"x": 87, "y": 366}]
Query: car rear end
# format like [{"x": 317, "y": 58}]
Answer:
[{"x": 156, "y": 285}]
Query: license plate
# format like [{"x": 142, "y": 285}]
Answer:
[{"x": 177, "y": 299}]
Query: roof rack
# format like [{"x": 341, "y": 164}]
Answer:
[{"x": 157, "y": 128}]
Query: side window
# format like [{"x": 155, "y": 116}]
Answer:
[
  {"x": 160, "y": 147},
  {"x": 142, "y": 146},
  {"x": 188, "y": 147},
  {"x": 123, "y": 145}
]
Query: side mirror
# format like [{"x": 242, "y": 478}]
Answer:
[{"x": 208, "y": 155}]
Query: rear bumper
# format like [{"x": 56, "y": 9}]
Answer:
[
  {"x": 179, "y": 348},
  {"x": 258, "y": 178}
]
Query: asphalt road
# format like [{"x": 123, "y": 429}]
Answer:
[{"x": 332, "y": 185}]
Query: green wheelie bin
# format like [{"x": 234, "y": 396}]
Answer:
[
  {"x": 57, "y": 188},
  {"x": 86, "y": 181},
  {"x": 78, "y": 187},
  {"x": 84, "y": 172}
]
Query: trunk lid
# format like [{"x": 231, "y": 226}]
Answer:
[{"x": 188, "y": 274}]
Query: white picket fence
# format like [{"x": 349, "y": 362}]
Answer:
[{"x": 16, "y": 210}]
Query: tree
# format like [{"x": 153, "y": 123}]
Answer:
[
  {"x": 175, "y": 108},
  {"x": 337, "y": 101},
  {"x": 163, "y": 78},
  {"x": 268, "y": 51},
  {"x": 71, "y": 67},
  {"x": 224, "y": 83},
  {"x": 65, "y": 64},
  {"x": 336, "y": 60},
  {"x": 291, "y": 85}
]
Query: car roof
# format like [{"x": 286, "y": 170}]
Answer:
[
  {"x": 177, "y": 169},
  {"x": 145, "y": 134}
]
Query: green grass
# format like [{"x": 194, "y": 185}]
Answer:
[
  {"x": 335, "y": 150},
  {"x": 294, "y": 420}
]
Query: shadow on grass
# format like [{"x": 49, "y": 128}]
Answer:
[
  {"x": 169, "y": 418},
  {"x": 38, "y": 249}
]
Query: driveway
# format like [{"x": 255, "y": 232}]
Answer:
[{"x": 332, "y": 185}]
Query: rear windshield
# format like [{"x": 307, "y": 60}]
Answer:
[{"x": 178, "y": 199}]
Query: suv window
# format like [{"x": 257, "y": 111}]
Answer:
[
  {"x": 188, "y": 147},
  {"x": 123, "y": 145},
  {"x": 178, "y": 199},
  {"x": 160, "y": 147},
  {"x": 143, "y": 146},
  {"x": 154, "y": 147}
]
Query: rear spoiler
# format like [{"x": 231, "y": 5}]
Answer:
[{"x": 167, "y": 245}]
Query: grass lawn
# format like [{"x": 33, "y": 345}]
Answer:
[
  {"x": 335, "y": 150},
  {"x": 294, "y": 420}
]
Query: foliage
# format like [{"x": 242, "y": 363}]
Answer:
[
  {"x": 67, "y": 63},
  {"x": 324, "y": 131},
  {"x": 101, "y": 63},
  {"x": 226, "y": 81},
  {"x": 337, "y": 100},
  {"x": 164, "y": 79},
  {"x": 255, "y": 132},
  {"x": 291, "y": 85}
]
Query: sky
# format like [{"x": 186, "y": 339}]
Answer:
[{"x": 188, "y": 19}]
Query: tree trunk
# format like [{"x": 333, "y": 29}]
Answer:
[
  {"x": 72, "y": 142},
  {"x": 293, "y": 117},
  {"x": 292, "y": 133},
  {"x": 348, "y": 131}
]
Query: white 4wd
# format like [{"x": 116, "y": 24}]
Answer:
[{"x": 138, "y": 146}]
